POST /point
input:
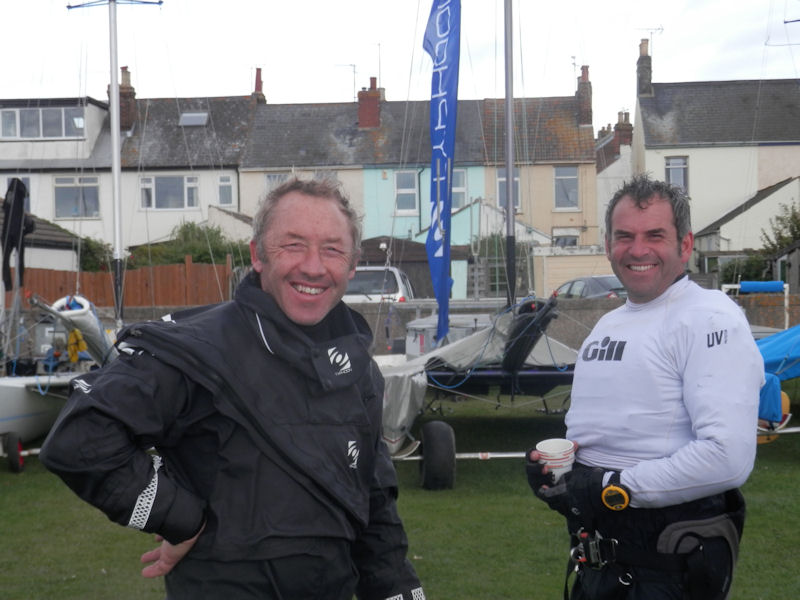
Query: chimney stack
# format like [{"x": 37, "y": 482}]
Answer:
[
  {"x": 644, "y": 71},
  {"x": 258, "y": 92},
  {"x": 584, "y": 96},
  {"x": 127, "y": 101},
  {"x": 369, "y": 105},
  {"x": 623, "y": 130}
]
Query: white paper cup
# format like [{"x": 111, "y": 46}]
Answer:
[{"x": 558, "y": 454}]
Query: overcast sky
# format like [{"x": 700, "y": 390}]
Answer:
[{"x": 309, "y": 50}]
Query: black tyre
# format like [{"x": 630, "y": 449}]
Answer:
[
  {"x": 438, "y": 464},
  {"x": 13, "y": 447}
]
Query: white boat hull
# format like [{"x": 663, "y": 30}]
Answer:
[{"x": 29, "y": 405}]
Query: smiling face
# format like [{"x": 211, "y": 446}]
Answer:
[
  {"x": 644, "y": 249},
  {"x": 309, "y": 256}
]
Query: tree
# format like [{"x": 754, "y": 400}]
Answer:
[
  {"x": 785, "y": 230},
  {"x": 203, "y": 243},
  {"x": 94, "y": 255},
  {"x": 752, "y": 268}
]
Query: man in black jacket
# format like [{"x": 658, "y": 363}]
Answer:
[{"x": 247, "y": 435}]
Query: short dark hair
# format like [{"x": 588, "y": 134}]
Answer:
[
  {"x": 318, "y": 188},
  {"x": 641, "y": 189}
]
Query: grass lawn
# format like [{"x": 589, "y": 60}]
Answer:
[{"x": 488, "y": 538}]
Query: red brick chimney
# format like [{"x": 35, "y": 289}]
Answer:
[
  {"x": 644, "y": 71},
  {"x": 584, "y": 96},
  {"x": 369, "y": 105},
  {"x": 623, "y": 130},
  {"x": 127, "y": 101},
  {"x": 258, "y": 92}
]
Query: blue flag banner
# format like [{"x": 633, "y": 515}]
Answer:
[{"x": 442, "y": 41}]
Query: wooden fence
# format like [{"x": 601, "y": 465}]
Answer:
[{"x": 186, "y": 284}]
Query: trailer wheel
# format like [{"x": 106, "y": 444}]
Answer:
[
  {"x": 13, "y": 448},
  {"x": 438, "y": 464}
]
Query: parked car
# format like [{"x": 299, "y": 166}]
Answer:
[
  {"x": 592, "y": 286},
  {"x": 378, "y": 284}
]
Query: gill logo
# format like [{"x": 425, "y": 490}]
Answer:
[
  {"x": 352, "y": 454},
  {"x": 339, "y": 360},
  {"x": 80, "y": 384},
  {"x": 607, "y": 349},
  {"x": 717, "y": 338}
]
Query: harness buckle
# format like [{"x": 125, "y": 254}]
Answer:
[{"x": 593, "y": 550}]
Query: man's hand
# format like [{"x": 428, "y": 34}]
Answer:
[
  {"x": 581, "y": 494},
  {"x": 541, "y": 481},
  {"x": 166, "y": 556}
]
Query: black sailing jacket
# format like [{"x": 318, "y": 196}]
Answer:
[{"x": 269, "y": 432}]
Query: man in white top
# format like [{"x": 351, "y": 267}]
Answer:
[{"x": 663, "y": 414}]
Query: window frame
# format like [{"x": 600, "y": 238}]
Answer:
[
  {"x": 78, "y": 183},
  {"x": 33, "y": 118},
  {"x": 561, "y": 195},
  {"x": 149, "y": 192},
  {"x": 460, "y": 190},
  {"x": 406, "y": 191},
  {"x": 225, "y": 182},
  {"x": 681, "y": 166},
  {"x": 501, "y": 181}
]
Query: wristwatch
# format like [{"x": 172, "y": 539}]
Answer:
[{"x": 614, "y": 495}]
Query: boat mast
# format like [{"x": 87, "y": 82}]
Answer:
[
  {"x": 511, "y": 261},
  {"x": 116, "y": 146},
  {"x": 116, "y": 169}
]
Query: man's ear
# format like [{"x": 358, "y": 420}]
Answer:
[
  {"x": 256, "y": 262},
  {"x": 687, "y": 245}
]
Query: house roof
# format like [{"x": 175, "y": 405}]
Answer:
[
  {"x": 308, "y": 135},
  {"x": 159, "y": 141},
  {"x": 546, "y": 129},
  {"x": 46, "y": 235},
  {"x": 314, "y": 135},
  {"x": 744, "y": 207},
  {"x": 721, "y": 113}
]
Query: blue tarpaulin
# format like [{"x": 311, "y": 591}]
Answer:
[{"x": 781, "y": 352}]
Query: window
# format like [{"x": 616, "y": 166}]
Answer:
[
  {"x": 77, "y": 197},
  {"x": 498, "y": 283},
  {"x": 565, "y": 236},
  {"x": 169, "y": 192},
  {"x": 459, "y": 187},
  {"x": 501, "y": 188},
  {"x": 29, "y": 123},
  {"x": 27, "y": 182},
  {"x": 327, "y": 175},
  {"x": 49, "y": 122},
  {"x": 677, "y": 168},
  {"x": 225, "y": 190},
  {"x": 9, "y": 123},
  {"x": 566, "y": 188},
  {"x": 275, "y": 180},
  {"x": 193, "y": 119},
  {"x": 405, "y": 191}
]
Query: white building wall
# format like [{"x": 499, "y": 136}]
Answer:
[
  {"x": 720, "y": 178},
  {"x": 609, "y": 180},
  {"x": 744, "y": 231}
]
